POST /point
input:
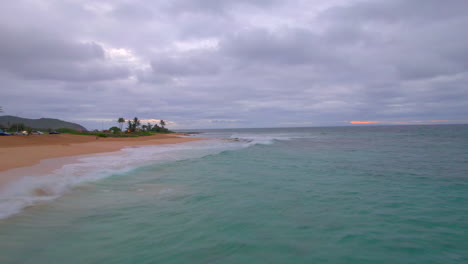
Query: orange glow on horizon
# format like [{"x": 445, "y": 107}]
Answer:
[
  {"x": 409, "y": 122},
  {"x": 365, "y": 122}
]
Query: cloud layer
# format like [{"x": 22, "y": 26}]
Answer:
[{"x": 223, "y": 63}]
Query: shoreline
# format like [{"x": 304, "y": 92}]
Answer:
[{"x": 41, "y": 154}]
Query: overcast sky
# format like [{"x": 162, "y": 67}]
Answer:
[{"x": 235, "y": 63}]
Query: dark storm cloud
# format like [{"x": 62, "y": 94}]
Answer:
[
  {"x": 215, "y": 6},
  {"x": 397, "y": 10},
  {"x": 421, "y": 39},
  {"x": 289, "y": 47},
  {"x": 30, "y": 45},
  {"x": 208, "y": 63},
  {"x": 73, "y": 72},
  {"x": 133, "y": 11},
  {"x": 38, "y": 54},
  {"x": 185, "y": 65}
]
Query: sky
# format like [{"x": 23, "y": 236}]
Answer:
[{"x": 236, "y": 63}]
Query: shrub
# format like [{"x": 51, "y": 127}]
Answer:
[
  {"x": 115, "y": 129},
  {"x": 104, "y": 135},
  {"x": 67, "y": 130}
]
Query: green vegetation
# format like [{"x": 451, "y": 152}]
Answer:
[
  {"x": 134, "y": 127},
  {"x": 158, "y": 129},
  {"x": 19, "y": 127},
  {"x": 93, "y": 133},
  {"x": 121, "y": 121},
  {"x": 44, "y": 124},
  {"x": 69, "y": 131},
  {"x": 104, "y": 135},
  {"x": 115, "y": 130}
]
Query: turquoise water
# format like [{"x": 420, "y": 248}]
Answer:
[{"x": 316, "y": 195}]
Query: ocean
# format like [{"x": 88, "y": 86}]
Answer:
[{"x": 375, "y": 194}]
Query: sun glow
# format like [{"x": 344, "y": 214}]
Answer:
[
  {"x": 409, "y": 122},
  {"x": 365, "y": 122}
]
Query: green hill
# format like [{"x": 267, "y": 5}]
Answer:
[{"x": 41, "y": 123}]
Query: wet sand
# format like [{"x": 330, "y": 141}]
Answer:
[{"x": 19, "y": 153}]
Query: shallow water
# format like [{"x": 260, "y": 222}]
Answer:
[{"x": 316, "y": 195}]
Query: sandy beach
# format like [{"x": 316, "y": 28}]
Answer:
[{"x": 17, "y": 152}]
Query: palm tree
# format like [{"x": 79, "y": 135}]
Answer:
[
  {"x": 130, "y": 126},
  {"x": 162, "y": 123},
  {"x": 121, "y": 121},
  {"x": 136, "y": 124}
]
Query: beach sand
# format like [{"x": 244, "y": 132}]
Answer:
[{"x": 20, "y": 154}]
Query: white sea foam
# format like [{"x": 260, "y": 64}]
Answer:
[
  {"x": 265, "y": 138},
  {"x": 34, "y": 189}
]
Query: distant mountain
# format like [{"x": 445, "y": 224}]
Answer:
[{"x": 41, "y": 123}]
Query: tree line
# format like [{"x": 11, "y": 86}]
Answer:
[{"x": 136, "y": 126}]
